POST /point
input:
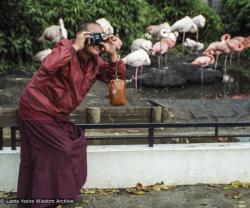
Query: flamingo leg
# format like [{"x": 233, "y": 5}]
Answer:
[
  {"x": 225, "y": 65},
  {"x": 141, "y": 73},
  {"x": 202, "y": 77},
  {"x": 166, "y": 59},
  {"x": 136, "y": 71},
  {"x": 230, "y": 59},
  {"x": 183, "y": 38},
  {"x": 160, "y": 56},
  {"x": 216, "y": 61},
  {"x": 159, "y": 61},
  {"x": 238, "y": 57},
  {"x": 197, "y": 35}
]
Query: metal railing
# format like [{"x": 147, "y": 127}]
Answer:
[{"x": 151, "y": 130}]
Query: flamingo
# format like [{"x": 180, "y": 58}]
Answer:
[
  {"x": 192, "y": 44},
  {"x": 204, "y": 61},
  {"x": 218, "y": 48},
  {"x": 106, "y": 26},
  {"x": 200, "y": 23},
  {"x": 42, "y": 55},
  {"x": 171, "y": 39},
  {"x": 54, "y": 33},
  {"x": 184, "y": 25},
  {"x": 141, "y": 43},
  {"x": 237, "y": 44},
  {"x": 155, "y": 30},
  {"x": 161, "y": 48},
  {"x": 138, "y": 58}
]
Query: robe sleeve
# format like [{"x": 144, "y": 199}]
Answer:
[
  {"x": 107, "y": 70},
  {"x": 59, "y": 57}
]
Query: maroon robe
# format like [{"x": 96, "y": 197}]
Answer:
[{"x": 53, "y": 150}]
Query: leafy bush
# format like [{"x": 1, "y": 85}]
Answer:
[
  {"x": 23, "y": 22},
  {"x": 236, "y": 17}
]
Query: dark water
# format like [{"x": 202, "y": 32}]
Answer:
[
  {"x": 239, "y": 86},
  {"x": 11, "y": 86}
]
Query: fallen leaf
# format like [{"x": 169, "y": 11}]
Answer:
[
  {"x": 139, "y": 192},
  {"x": 214, "y": 185}
]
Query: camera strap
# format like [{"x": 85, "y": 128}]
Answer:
[{"x": 116, "y": 72}]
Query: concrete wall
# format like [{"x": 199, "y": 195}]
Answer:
[{"x": 125, "y": 165}]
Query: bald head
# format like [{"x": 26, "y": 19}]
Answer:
[{"x": 91, "y": 27}]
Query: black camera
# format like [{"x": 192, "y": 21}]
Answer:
[{"x": 97, "y": 38}]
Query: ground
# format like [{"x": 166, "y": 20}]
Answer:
[{"x": 192, "y": 196}]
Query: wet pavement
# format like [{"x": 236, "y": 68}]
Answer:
[{"x": 192, "y": 196}]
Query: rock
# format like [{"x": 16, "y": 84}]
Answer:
[
  {"x": 178, "y": 72},
  {"x": 162, "y": 78}
]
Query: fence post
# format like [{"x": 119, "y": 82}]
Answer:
[
  {"x": 216, "y": 131},
  {"x": 151, "y": 136},
  {"x": 13, "y": 137},
  {"x": 1, "y": 138}
]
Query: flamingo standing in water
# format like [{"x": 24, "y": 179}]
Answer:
[
  {"x": 138, "y": 58},
  {"x": 54, "y": 33},
  {"x": 203, "y": 62},
  {"x": 184, "y": 25},
  {"x": 200, "y": 23}
]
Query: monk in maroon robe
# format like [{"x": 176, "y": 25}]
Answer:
[{"x": 53, "y": 150}]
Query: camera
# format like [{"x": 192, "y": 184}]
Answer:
[{"x": 97, "y": 38}]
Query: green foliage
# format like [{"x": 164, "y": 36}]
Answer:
[
  {"x": 23, "y": 22},
  {"x": 236, "y": 17}
]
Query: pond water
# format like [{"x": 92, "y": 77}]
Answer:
[
  {"x": 11, "y": 86},
  {"x": 238, "y": 87}
]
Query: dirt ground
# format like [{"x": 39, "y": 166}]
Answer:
[{"x": 195, "y": 196}]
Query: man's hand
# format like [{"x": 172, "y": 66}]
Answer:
[
  {"x": 111, "y": 45},
  {"x": 80, "y": 40}
]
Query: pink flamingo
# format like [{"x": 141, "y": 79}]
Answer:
[
  {"x": 204, "y": 61},
  {"x": 237, "y": 44},
  {"x": 161, "y": 48},
  {"x": 218, "y": 48}
]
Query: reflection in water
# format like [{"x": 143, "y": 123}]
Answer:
[{"x": 237, "y": 85}]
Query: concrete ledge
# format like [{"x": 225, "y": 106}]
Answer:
[{"x": 120, "y": 166}]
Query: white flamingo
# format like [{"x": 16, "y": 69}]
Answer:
[
  {"x": 184, "y": 25},
  {"x": 141, "y": 43},
  {"x": 138, "y": 58},
  {"x": 193, "y": 45},
  {"x": 200, "y": 21},
  {"x": 42, "y": 55},
  {"x": 54, "y": 33},
  {"x": 155, "y": 30}
]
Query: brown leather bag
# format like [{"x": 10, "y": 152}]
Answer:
[{"x": 117, "y": 92}]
